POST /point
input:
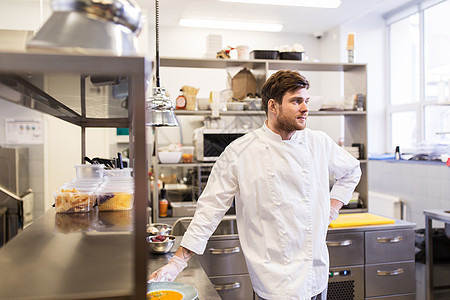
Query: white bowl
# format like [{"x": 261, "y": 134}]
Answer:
[
  {"x": 235, "y": 105},
  {"x": 169, "y": 157}
]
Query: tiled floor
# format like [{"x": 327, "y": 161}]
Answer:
[{"x": 441, "y": 278}]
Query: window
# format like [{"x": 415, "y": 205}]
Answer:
[{"x": 418, "y": 95}]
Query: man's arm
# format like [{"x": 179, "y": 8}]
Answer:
[{"x": 176, "y": 264}]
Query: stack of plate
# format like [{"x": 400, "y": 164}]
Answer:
[{"x": 354, "y": 151}]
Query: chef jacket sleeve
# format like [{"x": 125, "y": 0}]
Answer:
[
  {"x": 213, "y": 203},
  {"x": 345, "y": 169}
]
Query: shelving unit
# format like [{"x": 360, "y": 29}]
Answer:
[
  {"x": 79, "y": 263},
  {"x": 354, "y": 81}
]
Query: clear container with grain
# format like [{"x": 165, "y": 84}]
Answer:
[{"x": 115, "y": 197}]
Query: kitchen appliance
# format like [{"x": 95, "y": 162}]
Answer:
[
  {"x": 210, "y": 143},
  {"x": 346, "y": 283},
  {"x": 15, "y": 193},
  {"x": 89, "y": 26}
]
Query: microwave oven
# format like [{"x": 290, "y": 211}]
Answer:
[{"x": 210, "y": 143}]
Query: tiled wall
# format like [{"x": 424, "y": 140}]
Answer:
[{"x": 423, "y": 185}]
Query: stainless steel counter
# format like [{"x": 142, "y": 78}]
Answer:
[
  {"x": 58, "y": 257},
  {"x": 81, "y": 255}
]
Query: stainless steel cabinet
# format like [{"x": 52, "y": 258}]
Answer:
[
  {"x": 224, "y": 263},
  {"x": 372, "y": 262}
]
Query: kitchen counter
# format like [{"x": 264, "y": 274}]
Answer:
[
  {"x": 81, "y": 256},
  {"x": 399, "y": 224},
  {"x": 193, "y": 274}
]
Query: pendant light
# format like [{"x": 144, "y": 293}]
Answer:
[{"x": 159, "y": 107}]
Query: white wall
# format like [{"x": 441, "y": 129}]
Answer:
[{"x": 370, "y": 48}]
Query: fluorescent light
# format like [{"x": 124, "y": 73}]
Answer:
[
  {"x": 235, "y": 25},
  {"x": 304, "y": 3}
]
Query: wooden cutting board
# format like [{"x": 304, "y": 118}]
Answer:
[{"x": 359, "y": 219}]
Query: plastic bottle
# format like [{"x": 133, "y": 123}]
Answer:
[{"x": 163, "y": 203}]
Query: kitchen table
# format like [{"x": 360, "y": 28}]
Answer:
[{"x": 430, "y": 215}]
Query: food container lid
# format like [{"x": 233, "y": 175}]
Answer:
[
  {"x": 111, "y": 174},
  {"x": 80, "y": 187},
  {"x": 115, "y": 189}
]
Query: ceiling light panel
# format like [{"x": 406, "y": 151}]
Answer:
[
  {"x": 232, "y": 25},
  {"x": 303, "y": 3}
]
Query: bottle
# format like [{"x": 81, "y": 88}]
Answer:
[
  {"x": 163, "y": 203},
  {"x": 181, "y": 102},
  {"x": 398, "y": 155}
]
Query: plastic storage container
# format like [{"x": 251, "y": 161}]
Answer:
[
  {"x": 264, "y": 54},
  {"x": 187, "y": 155},
  {"x": 73, "y": 200},
  {"x": 112, "y": 197},
  {"x": 291, "y": 55},
  {"x": 89, "y": 171},
  {"x": 118, "y": 173}
]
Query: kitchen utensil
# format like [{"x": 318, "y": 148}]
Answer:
[
  {"x": 188, "y": 291},
  {"x": 160, "y": 247},
  {"x": 159, "y": 228},
  {"x": 119, "y": 162},
  {"x": 359, "y": 219}
]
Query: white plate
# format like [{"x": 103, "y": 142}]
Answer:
[{"x": 188, "y": 291}]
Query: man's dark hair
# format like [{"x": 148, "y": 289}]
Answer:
[{"x": 281, "y": 82}]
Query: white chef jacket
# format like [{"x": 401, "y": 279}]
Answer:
[{"x": 282, "y": 201}]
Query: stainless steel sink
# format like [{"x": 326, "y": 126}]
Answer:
[{"x": 227, "y": 227}]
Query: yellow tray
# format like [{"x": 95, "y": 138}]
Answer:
[{"x": 359, "y": 219}]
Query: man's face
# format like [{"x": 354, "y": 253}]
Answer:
[{"x": 293, "y": 111}]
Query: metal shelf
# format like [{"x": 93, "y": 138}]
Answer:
[
  {"x": 261, "y": 113},
  {"x": 188, "y": 165},
  {"x": 24, "y": 79}
]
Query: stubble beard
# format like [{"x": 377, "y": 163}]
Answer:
[{"x": 284, "y": 124}]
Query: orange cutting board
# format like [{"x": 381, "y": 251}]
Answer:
[{"x": 359, "y": 219}]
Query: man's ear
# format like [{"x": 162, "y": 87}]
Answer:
[{"x": 272, "y": 105}]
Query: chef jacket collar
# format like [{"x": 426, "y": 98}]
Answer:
[{"x": 297, "y": 137}]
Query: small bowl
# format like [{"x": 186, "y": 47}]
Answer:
[
  {"x": 235, "y": 105},
  {"x": 169, "y": 157},
  {"x": 161, "y": 247},
  {"x": 159, "y": 229}
]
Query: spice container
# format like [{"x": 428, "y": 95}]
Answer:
[{"x": 187, "y": 155}]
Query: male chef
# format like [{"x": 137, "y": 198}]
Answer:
[{"x": 279, "y": 178}]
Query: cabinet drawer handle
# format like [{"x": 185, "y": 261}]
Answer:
[
  {"x": 215, "y": 251},
  {"x": 390, "y": 273},
  {"x": 390, "y": 240},
  {"x": 339, "y": 243},
  {"x": 228, "y": 286}
]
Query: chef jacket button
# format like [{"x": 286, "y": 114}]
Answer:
[
  {"x": 283, "y": 232},
  {"x": 305, "y": 171}
]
